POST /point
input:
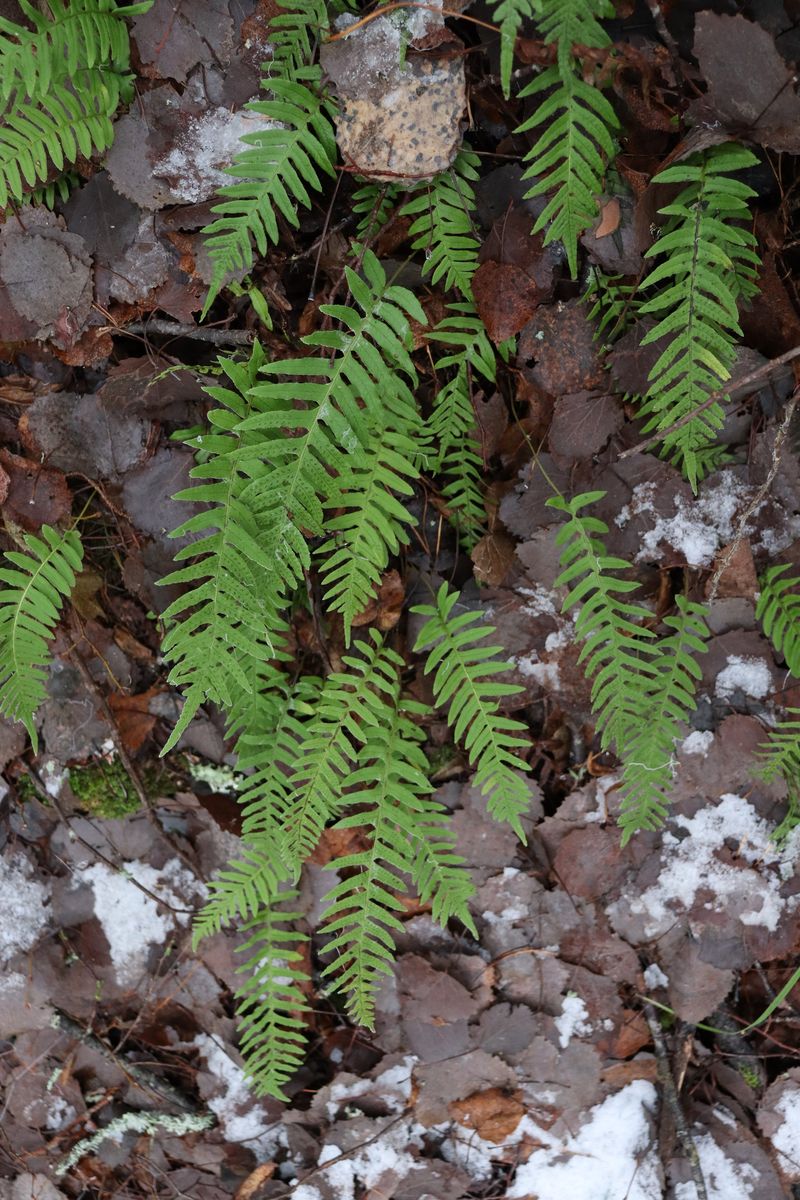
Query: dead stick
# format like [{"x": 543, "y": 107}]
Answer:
[
  {"x": 755, "y": 376},
  {"x": 673, "y": 1103},
  {"x": 387, "y": 8},
  {"x": 755, "y": 503},
  {"x": 173, "y": 329}
]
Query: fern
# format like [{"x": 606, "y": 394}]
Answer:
[
  {"x": 648, "y": 751},
  {"x": 642, "y": 689},
  {"x": 444, "y": 228},
  {"x": 613, "y": 305},
  {"x": 353, "y": 400},
  {"x": 707, "y": 262},
  {"x": 577, "y": 124},
  {"x": 271, "y": 1002},
  {"x": 392, "y": 795},
  {"x": 511, "y": 14},
  {"x": 36, "y": 585},
  {"x": 61, "y": 81},
  {"x": 222, "y": 620},
  {"x": 451, "y": 425},
  {"x": 460, "y": 666},
  {"x": 781, "y": 757},
  {"x": 778, "y": 610},
  {"x": 373, "y": 204}
]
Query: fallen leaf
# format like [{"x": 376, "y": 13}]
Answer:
[
  {"x": 609, "y": 218},
  {"x": 35, "y": 495},
  {"x": 505, "y": 298},
  {"x": 493, "y": 1114},
  {"x": 134, "y": 720},
  {"x": 492, "y": 557}
]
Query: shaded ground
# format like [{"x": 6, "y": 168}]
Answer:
[{"x": 520, "y": 1065}]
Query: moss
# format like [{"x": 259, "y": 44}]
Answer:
[{"x": 104, "y": 789}]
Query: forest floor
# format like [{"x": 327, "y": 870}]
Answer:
[{"x": 559, "y": 1056}]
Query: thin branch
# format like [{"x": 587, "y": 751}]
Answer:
[
  {"x": 762, "y": 372},
  {"x": 672, "y": 1101},
  {"x": 757, "y": 500},
  {"x": 174, "y": 329}
]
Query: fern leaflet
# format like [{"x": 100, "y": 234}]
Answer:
[
  {"x": 778, "y": 610},
  {"x": 392, "y": 795},
  {"x": 271, "y": 1002},
  {"x": 460, "y": 666},
  {"x": 36, "y": 586},
  {"x": 706, "y": 263},
  {"x": 444, "y": 228},
  {"x": 511, "y": 14},
  {"x": 781, "y": 757},
  {"x": 577, "y": 124}
]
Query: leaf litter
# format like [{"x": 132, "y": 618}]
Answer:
[{"x": 515, "y": 1064}]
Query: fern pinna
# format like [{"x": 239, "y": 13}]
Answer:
[
  {"x": 778, "y": 610},
  {"x": 575, "y": 124},
  {"x": 706, "y": 264},
  {"x": 36, "y": 584},
  {"x": 62, "y": 78},
  {"x": 642, "y": 688},
  {"x": 284, "y": 165}
]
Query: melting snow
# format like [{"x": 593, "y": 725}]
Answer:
[
  {"x": 724, "y": 1178},
  {"x": 546, "y": 674},
  {"x": 749, "y": 675},
  {"x": 699, "y": 741},
  {"x": 366, "y": 1169},
  {"x": 698, "y": 527},
  {"x": 692, "y": 864},
  {"x": 540, "y": 601},
  {"x": 393, "y": 1086},
  {"x": 22, "y": 904},
  {"x": 654, "y": 977},
  {"x": 574, "y": 1019},
  {"x": 209, "y": 144},
  {"x": 241, "y": 1117},
  {"x": 786, "y": 1138},
  {"x": 130, "y": 918},
  {"x": 610, "y": 1157}
]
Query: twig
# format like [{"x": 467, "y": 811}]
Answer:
[
  {"x": 387, "y": 8},
  {"x": 755, "y": 503},
  {"x": 734, "y": 385},
  {"x": 173, "y": 329},
  {"x": 673, "y": 1103}
]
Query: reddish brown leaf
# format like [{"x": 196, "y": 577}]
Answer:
[
  {"x": 493, "y": 1114},
  {"x": 505, "y": 297},
  {"x": 35, "y": 495}
]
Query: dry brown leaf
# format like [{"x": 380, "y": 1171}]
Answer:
[
  {"x": 492, "y": 557},
  {"x": 493, "y": 1114},
  {"x": 505, "y": 297},
  {"x": 609, "y": 218},
  {"x": 254, "y": 1180}
]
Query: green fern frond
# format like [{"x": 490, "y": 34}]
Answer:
[
  {"x": 350, "y": 397},
  {"x": 706, "y": 263},
  {"x": 460, "y": 664},
  {"x": 35, "y": 137},
  {"x": 36, "y": 584},
  {"x": 294, "y": 34},
  {"x": 281, "y": 170},
  {"x": 392, "y": 798},
  {"x": 781, "y": 757},
  {"x": 373, "y": 203},
  {"x": 62, "y": 44},
  {"x": 577, "y": 123},
  {"x": 351, "y": 704},
  {"x": 221, "y": 622},
  {"x": 444, "y": 227},
  {"x": 372, "y": 526},
  {"x": 617, "y": 645},
  {"x": 648, "y": 752},
  {"x": 451, "y": 425},
  {"x": 510, "y": 14},
  {"x": 271, "y": 1003},
  {"x": 613, "y": 305},
  {"x": 778, "y": 610}
]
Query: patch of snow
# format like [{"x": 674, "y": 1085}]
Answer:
[
  {"x": 726, "y": 1117},
  {"x": 698, "y": 527},
  {"x": 611, "y": 1156},
  {"x": 23, "y": 903},
  {"x": 546, "y": 674},
  {"x": 388, "y": 1154},
  {"x": 507, "y": 916},
  {"x": 53, "y": 775},
  {"x": 574, "y": 1019},
  {"x": 541, "y": 602},
  {"x": 130, "y": 919},
  {"x": 654, "y": 977},
  {"x": 59, "y": 1113},
  {"x": 724, "y": 1178},
  {"x": 241, "y": 1117},
  {"x": 393, "y": 1085},
  {"x": 210, "y": 142},
  {"x": 561, "y": 637},
  {"x": 786, "y": 1138},
  {"x": 699, "y": 741},
  {"x": 603, "y": 784},
  {"x": 691, "y": 864},
  {"x": 749, "y": 675}
]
